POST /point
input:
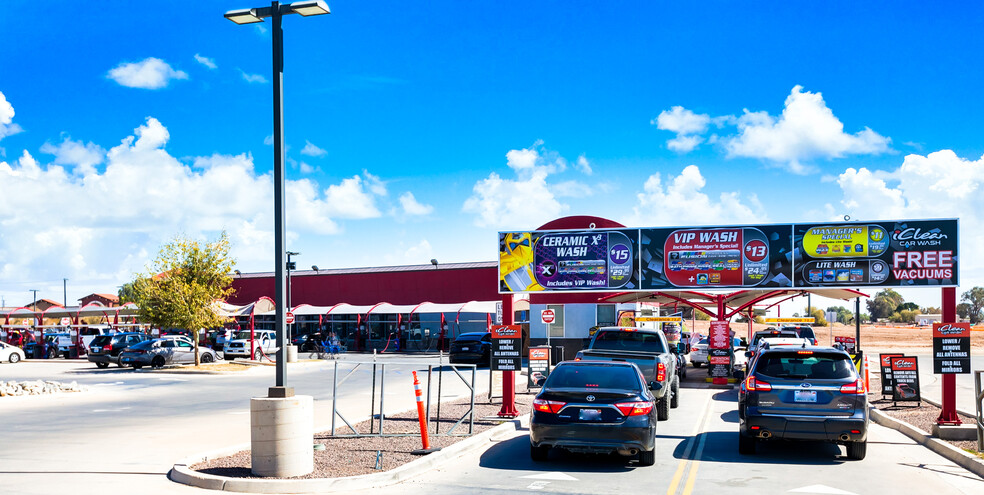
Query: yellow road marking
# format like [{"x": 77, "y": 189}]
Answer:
[
  {"x": 696, "y": 464},
  {"x": 677, "y": 476}
]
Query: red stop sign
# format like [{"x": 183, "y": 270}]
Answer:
[
  {"x": 289, "y": 318},
  {"x": 548, "y": 316}
]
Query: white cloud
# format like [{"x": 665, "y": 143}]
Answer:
[
  {"x": 806, "y": 130},
  {"x": 7, "y": 127},
  {"x": 937, "y": 185},
  {"x": 412, "y": 207},
  {"x": 83, "y": 156},
  {"x": 583, "y": 165},
  {"x": 527, "y": 200},
  {"x": 355, "y": 197},
  {"x": 253, "y": 78},
  {"x": 311, "y": 150},
  {"x": 684, "y": 144},
  {"x": 149, "y": 73},
  {"x": 682, "y": 121},
  {"x": 207, "y": 62},
  {"x": 307, "y": 169},
  {"x": 101, "y": 227},
  {"x": 417, "y": 254},
  {"x": 679, "y": 201}
]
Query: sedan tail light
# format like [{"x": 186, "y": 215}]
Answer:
[
  {"x": 856, "y": 388},
  {"x": 753, "y": 385},
  {"x": 660, "y": 372},
  {"x": 548, "y": 406},
  {"x": 634, "y": 408}
]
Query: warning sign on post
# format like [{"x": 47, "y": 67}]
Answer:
[
  {"x": 951, "y": 348},
  {"x": 507, "y": 348},
  {"x": 905, "y": 379},
  {"x": 539, "y": 359}
]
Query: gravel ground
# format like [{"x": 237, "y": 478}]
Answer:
[
  {"x": 922, "y": 416},
  {"x": 352, "y": 456}
]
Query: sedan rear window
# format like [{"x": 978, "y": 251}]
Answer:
[
  {"x": 102, "y": 340},
  {"x": 621, "y": 377},
  {"x": 628, "y": 341},
  {"x": 805, "y": 364}
]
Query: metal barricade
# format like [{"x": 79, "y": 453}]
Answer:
[{"x": 379, "y": 371}]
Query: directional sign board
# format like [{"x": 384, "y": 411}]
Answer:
[{"x": 507, "y": 348}]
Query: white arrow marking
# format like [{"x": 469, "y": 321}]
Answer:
[
  {"x": 821, "y": 489},
  {"x": 551, "y": 476},
  {"x": 538, "y": 485}
]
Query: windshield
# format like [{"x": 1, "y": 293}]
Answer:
[
  {"x": 805, "y": 364},
  {"x": 594, "y": 376},
  {"x": 465, "y": 337},
  {"x": 628, "y": 341}
]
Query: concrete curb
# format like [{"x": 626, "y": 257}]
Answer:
[
  {"x": 970, "y": 463},
  {"x": 181, "y": 472}
]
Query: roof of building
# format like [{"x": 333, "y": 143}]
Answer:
[{"x": 378, "y": 269}]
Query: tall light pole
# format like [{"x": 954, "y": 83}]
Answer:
[
  {"x": 249, "y": 16},
  {"x": 65, "y": 291}
]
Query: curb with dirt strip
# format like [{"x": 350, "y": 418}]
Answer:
[
  {"x": 182, "y": 473},
  {"x": 951, "y": 453}
]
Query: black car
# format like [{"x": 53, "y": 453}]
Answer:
[
  {"x": 595, "y": 407},
  {"x": 105, "y": 349},
  {"x": 803, "y": 393},
  {"x": 307, "y": 342},
  {"x": 770, "y": 333},
  {"x": 475, "y": 347}
]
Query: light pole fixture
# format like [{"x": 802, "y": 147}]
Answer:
[
  {"x": 248, "y": 16},
  {"x": 314, "y": 267},
  {"x": 434, "y": 262}
]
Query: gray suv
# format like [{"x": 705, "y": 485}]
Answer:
[{"x": 803, "y": 393}]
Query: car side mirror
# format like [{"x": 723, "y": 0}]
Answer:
[
  {"x": 684, "y": 347},
  {"x": 748, "y": 354},
  {"x": 739, "y": 375},
  {"x": 654, "y": 385},
  {"x": 675, "y": 350},
  {"x": 538, "y": 381}
]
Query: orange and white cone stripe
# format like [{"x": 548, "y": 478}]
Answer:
[{"x": 420, "y": 412}]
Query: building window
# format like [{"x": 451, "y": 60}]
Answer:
[
  {"x": 606, "y": 315},
  {"x": 557, "y": 327}
]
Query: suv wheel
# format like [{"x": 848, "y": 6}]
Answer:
[
  {"x": 647, "y": 457},
  {"x": 157, "y": 362},
  {"x": 663, "y": 408},
  {"x": 102, "y": 365},
  {"x": 857, "y": 450},
  {"x": 746, "y": 445},
  {"x": 675, "y": 390}
]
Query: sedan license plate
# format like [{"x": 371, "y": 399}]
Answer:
[
  {"x": 590, "y": 415},
  {"x": 464, "y": 348},
  {"x": 805, "y": 396}
]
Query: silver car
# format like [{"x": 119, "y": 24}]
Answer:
[{"x": 158, "y": 353}]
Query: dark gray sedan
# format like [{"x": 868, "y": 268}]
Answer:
[
  {"x": 594, "y": 407},
  {"x": 158, "y": 353}
]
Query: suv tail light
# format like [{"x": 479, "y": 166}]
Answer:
[
  {"x": 660, "y": 372},
  {"x": 548, "y": 406},
  {"x": 856, "y": 388},
  {"x": 753, "y": 385},
  {"x": 634, "y": 408}
]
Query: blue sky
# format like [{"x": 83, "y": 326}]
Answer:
[{"x": 419, "y": 130}]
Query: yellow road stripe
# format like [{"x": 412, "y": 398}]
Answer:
[
  {"x": 693, "y": 467},
  {"x": 677, "y": 476}
]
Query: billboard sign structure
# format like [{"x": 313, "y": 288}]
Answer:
[
  {"x": 903, "y": 253},
  {"x": 882, "y": 254}
]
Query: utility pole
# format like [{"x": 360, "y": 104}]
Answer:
[
  {"x": 65, "y": 290},
  {"x": 35, "y": 296}
]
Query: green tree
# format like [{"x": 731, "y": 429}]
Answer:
[
  {"x": 128, "y": 293},
  {"x": 844, "y": 315},
  {"x": 907, "y": 306},
  {"x": 891, "y": 296},
  {"x": 879, "y": 308},
  {"x": 975, "y": 298},
  {"x": 963, "y": 310},
  {"x": 819, "y": 317},
  {"x": 929, "y": 310},
  {"x": 183, "y": 282}
]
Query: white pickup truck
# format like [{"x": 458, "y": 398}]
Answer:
[{"x": 265, "y": 342}]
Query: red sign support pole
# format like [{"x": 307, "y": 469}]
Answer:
[
  {"x": 508, "y": 380},
  {"x": 948, "y": 414}
]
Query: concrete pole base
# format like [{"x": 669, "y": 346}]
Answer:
[{"x": 281, "y": 435}]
